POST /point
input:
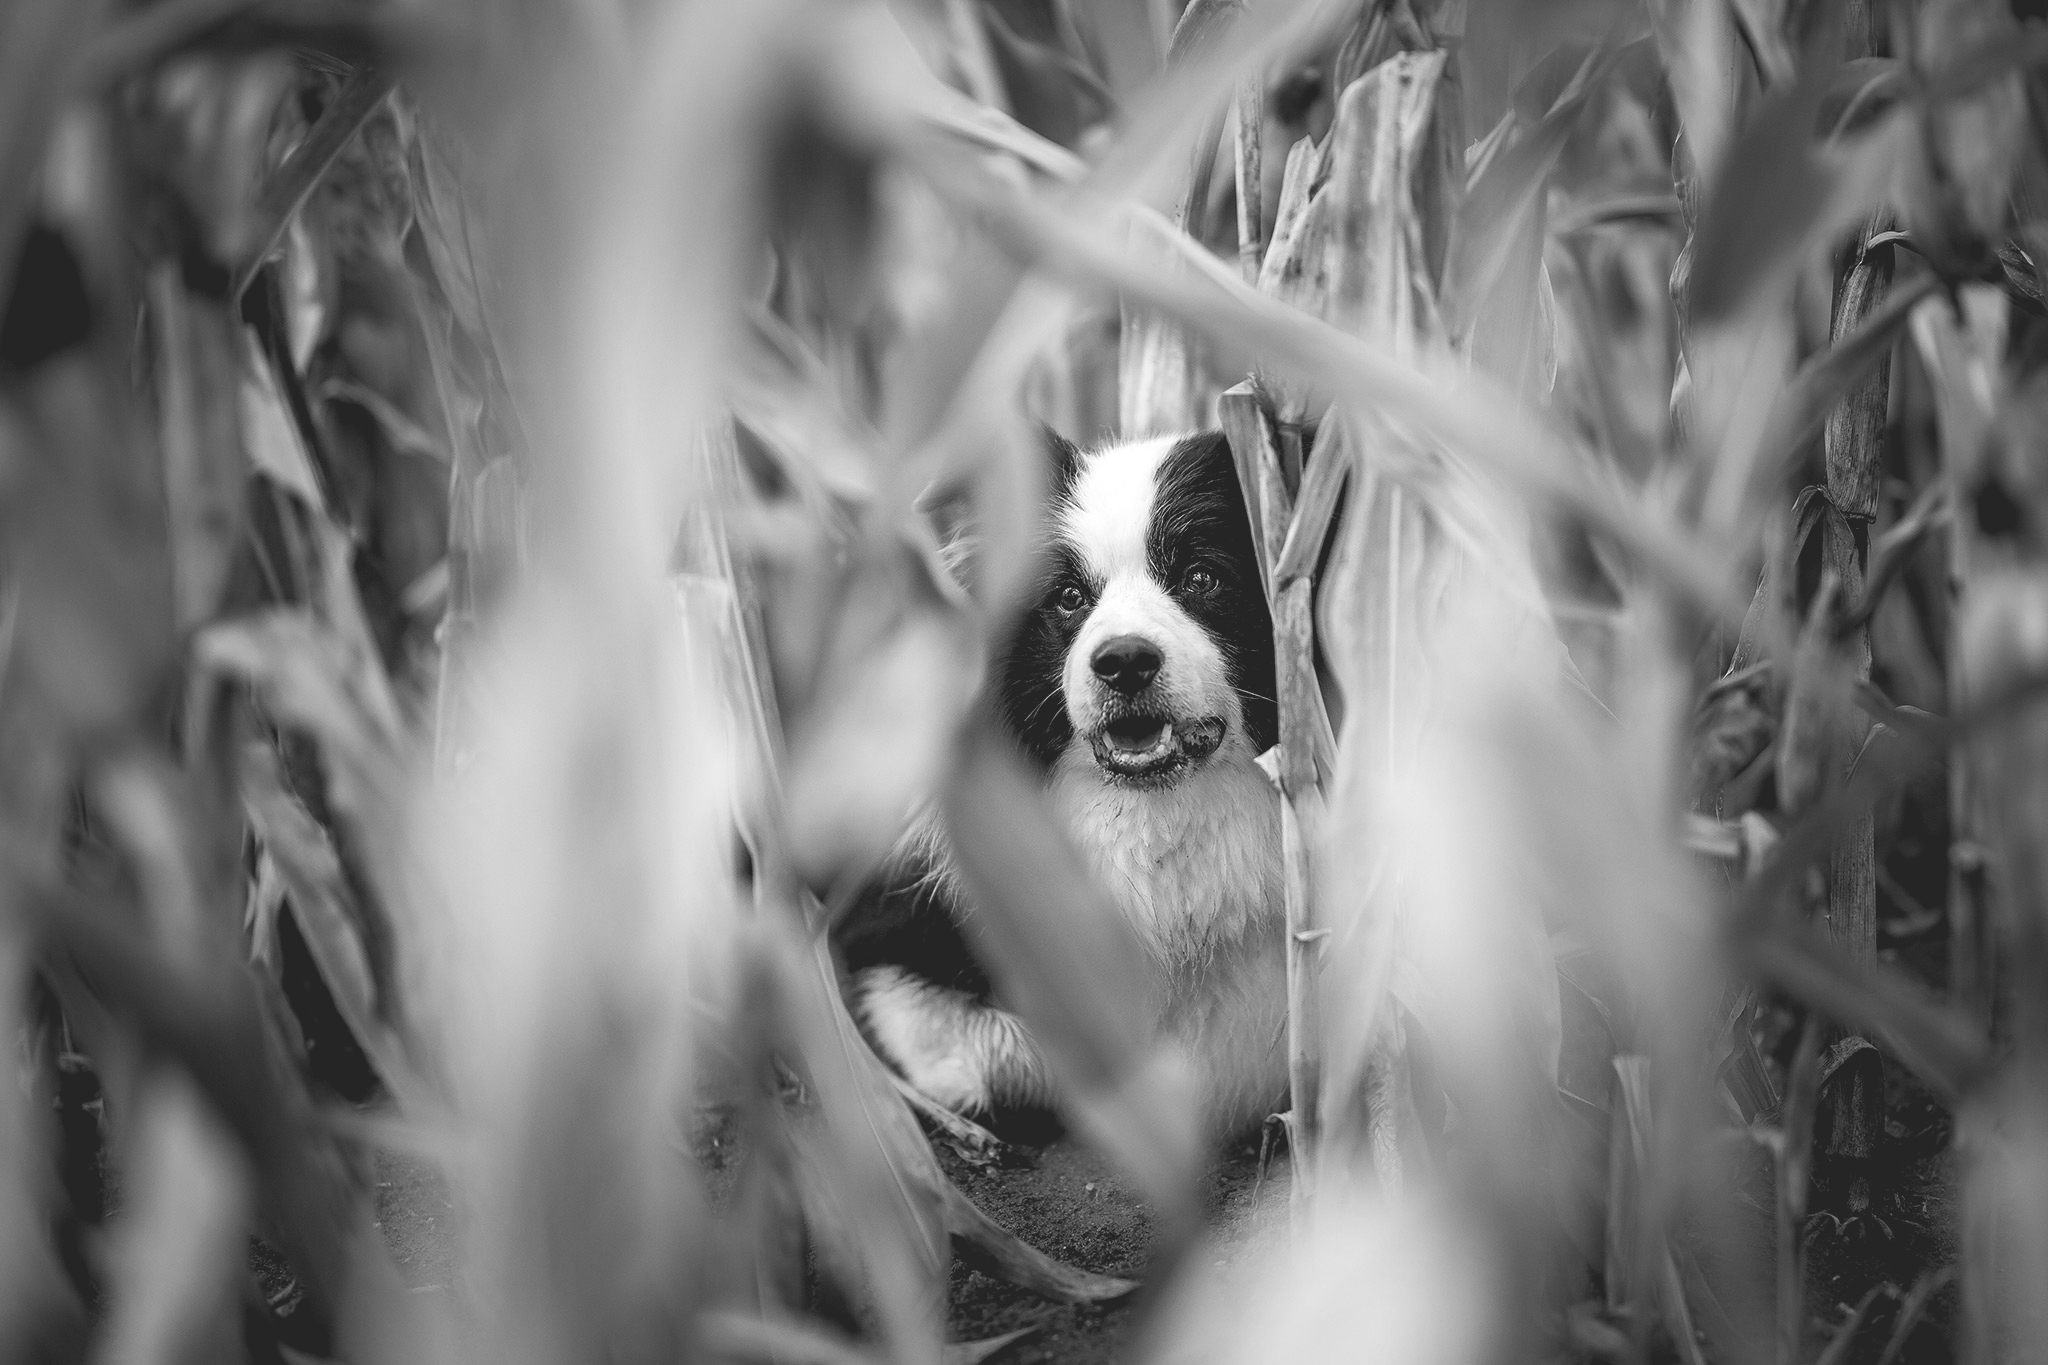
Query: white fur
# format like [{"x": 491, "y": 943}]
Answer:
[
  {"x": 1109, "y": 512},
  {"x": 1196, "y": 870},
  {"x": 963, "y": 1054}
]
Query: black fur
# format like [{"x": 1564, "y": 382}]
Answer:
[
  {"x": 1028, "y": 697},
  {"x": 1199, "y": 521},
  {"x": 904, "y": 920}
]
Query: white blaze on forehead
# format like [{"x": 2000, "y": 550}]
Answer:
[{"x": 1110, "y": 509}]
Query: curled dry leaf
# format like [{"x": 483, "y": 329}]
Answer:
[
  {"x": 285, "y": 190},
  {"x": 990, "y": 1248},
  {"x": 1935, "y": 1042},
  {"x": 334, "y": 924},
  {"x": 1844, "y": 371},
  {"x": 1735, "y": 720},
  {"x": 304, "y": 673},
  {"x": 39, "y": 1309}
]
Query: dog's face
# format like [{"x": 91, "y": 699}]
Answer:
[{"x": 1148, "y": 648}]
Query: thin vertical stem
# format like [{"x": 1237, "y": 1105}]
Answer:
[
  {"x": 1794, "y": 1166},
  {"x": 1251, "y": 248},
  {"x": 1854, "y": 446},
  {"x": 1295, "y": 658},
  {"x": 971, "y": 51}
]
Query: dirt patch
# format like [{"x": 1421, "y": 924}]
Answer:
[
  {"x": 1062, "y": 1198},
  {"x": 1070, "y": 1203}
]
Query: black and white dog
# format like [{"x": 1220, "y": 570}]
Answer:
[{"x": 1139, "y": 680}]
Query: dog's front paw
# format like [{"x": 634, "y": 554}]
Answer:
[
  {"x": 950, "y": 1081},
  {"x": 967, "y": 1055},
  {"x": 924, "y": 1031}
]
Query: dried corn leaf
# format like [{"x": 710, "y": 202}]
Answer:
[
  {"x": 1957, "y": 172},
  {"x": 1840, "y": 374},
  {"x": 877, "y": 1199},
  {"x": 38, "y": 1312},
  {"x": 1392, "y": 577},
  {"x": 215, "y": 1031},
  {"x": 1781, "y": 196},
  {"x": 39, "y": 40},
  {"x": 1855, "y": 427},
  {"x": 1165, "y": 382},
  {"x": 1492, "y": 277},
  {"x": 337, "y": 929},
  {"x": 989, "y": 1248},
  {"x": 1467, "y": 414},
  {"x": 287, "y": 188},
  {"x": 198, "y": 359},
  {"x": 216, "y": 112},
  {"x": 1168, "y": 379},
  {"x": 306, "y": 674},
  {"x": 177, "y": 1261},
  {"x": 1734, "y": 722},
  {"x": 1386, "y": 228},
  {"x": 1937, "y": 1044},
  {"x": 1064, "y": 959}
]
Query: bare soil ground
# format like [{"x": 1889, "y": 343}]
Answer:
[
  {"x": 1070, "y": 1203},
  {"x": 1063, "y": 1198}
]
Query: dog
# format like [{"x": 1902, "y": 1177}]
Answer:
[{"x": 1138, "y": 680}]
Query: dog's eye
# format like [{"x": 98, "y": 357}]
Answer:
[
  {"x": 1070, "y": 600},
  {"x": 1200, "y": 582}
]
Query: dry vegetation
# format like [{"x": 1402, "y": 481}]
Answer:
[{"x": 472, "y": 608}]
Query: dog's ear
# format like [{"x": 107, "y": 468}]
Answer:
[{"x": 1062, "y": 459}]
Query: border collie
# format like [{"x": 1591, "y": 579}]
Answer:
[{"x": 1139, "y": 681}]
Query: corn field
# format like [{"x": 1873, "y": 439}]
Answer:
[{"x": 479, "y": 490}]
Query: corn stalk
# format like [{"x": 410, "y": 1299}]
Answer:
[
  {"x": 1854, "y": 449},
  {"x": 2002, "y": 1140},
  {"x": 1358, "y": 237}
]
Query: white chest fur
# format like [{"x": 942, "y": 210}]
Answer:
[
  {"x": 1195, "y": 866},
  {"x": 1196, "y": 869}
]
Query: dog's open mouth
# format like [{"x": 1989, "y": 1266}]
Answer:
[{"x": 1143, "y": 746}]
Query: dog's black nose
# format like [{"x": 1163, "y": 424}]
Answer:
[{"x": 1127, "y": 664}]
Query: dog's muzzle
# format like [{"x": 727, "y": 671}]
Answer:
[{"x": 1148, "y": 747}]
